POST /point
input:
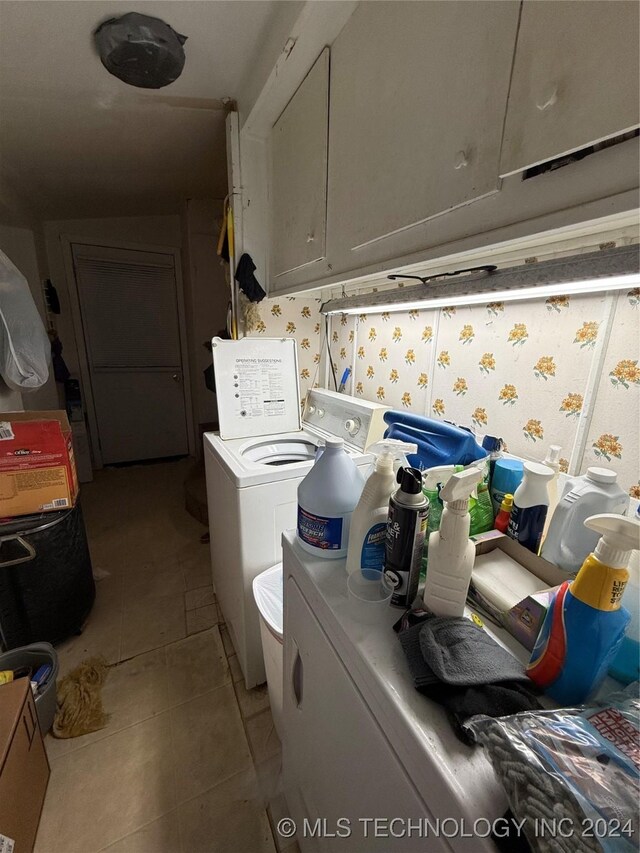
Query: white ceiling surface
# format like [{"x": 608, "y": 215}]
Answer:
[{"x": 77, "y": 142}]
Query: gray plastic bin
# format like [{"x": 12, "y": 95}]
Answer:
[{"x": 34, "y": 656}]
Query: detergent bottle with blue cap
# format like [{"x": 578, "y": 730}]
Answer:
[{"x": 586, "y": 622}]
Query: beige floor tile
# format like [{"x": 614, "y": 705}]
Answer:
[
  {"x": 236, "y": 671},
  {"x": 196, "y": 576},
  {"x": 195, "y": 563},
  {"x": 159, "y": 836},
  {"x": 55, "y": 806},
  {"x": 109, "y": 789},
  {"x": 226, "y": 819},
  {"x": 196, "y": 665},
  {"x": 278, "y": 810},
  {"x": 150, "y": 623},
  {"x": 204, "y": 596},
  {"x": 226, "y": 640},
  {"x": 101, "y": 632},
  {"x": 106, "y": 553},
  {"x": 153, "y": 580},
  {"x": 133, "y": 691},
  {"x": 251, "y": 701},
  {"x": 57, "y": 747},
  {"x": 263, "y": 739},
  {"x": 269, "y": 778},
  {"x": 208, "y": 741},
  {"x": 201, "y": 619}
]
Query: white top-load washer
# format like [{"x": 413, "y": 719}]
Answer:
[{"x": 255, "y": 463}]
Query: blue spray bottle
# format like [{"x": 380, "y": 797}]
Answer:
[{"x": 586, "y": 623}]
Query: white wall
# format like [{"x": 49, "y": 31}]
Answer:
[
  {"x": 272, "y": 42},
  {"x": 206, "y": 295},
  {"x": 21, "y": 246}
]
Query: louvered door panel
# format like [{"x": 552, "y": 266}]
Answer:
[{"x": 130, "y": 319}]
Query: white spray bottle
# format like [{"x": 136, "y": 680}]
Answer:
[
  {"x": 451, "y": 552},
  {"x": 369, "y": 521}
]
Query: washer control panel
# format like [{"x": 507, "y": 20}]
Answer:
[{"x": 358, "y": 422}]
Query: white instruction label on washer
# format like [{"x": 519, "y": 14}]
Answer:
[
  {"x": 6, "y": 434},
  {"x": 259, "y": 384},
  {"x": 6, "y": 844}
]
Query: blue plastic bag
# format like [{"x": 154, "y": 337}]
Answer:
[{"x": 439, "y": 443}]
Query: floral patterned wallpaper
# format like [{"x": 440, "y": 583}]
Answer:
[
  {"x": 519, "y": 370},
  {"x": 299, "y": 318},
  {"x": 614, "y": 433}
]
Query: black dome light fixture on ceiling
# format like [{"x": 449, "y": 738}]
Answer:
[{"x": 141, "y": 50}]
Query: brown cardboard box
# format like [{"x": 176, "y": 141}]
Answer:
[
  {"x": 24, "y": 768},
  {"x": 524, "y": 619},
  {"x": 37, "y": 467}
]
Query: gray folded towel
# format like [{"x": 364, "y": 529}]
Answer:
[
  {"x": 458, "y": 652},
  {"x": 455, "y": 663}
]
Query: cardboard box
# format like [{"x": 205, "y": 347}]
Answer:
[
  {"x": 524, "y": 619},
  {"x": 37, "y": 467},
  {"x": 24, "y": 768}
]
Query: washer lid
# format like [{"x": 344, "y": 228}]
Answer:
[
  {"x": 257, "y": 386},
  {"x": 269, "y": 596}
]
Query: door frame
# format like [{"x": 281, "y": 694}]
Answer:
[{"x": 67, "y": 242}]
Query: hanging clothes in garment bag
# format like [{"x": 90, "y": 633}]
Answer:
[{"x": 25, "y": 349}]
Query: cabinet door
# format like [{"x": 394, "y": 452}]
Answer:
[
  {"x": 337, "y": 762},
  {"x": 299, "y": 175},
  {"x": 418, "y": 99},
  {"x": 575, "y": 79}
]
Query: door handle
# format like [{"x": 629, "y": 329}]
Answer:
[
  {"x": 177, "y": 377},
  {"x": 297, "y": 677}
]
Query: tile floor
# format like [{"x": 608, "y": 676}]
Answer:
[{"x": 189, "y": 761}]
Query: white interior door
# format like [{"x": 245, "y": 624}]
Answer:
[{"x": 130, "y": 318}]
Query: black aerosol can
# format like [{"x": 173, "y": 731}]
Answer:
[{"x": 406, "y": 529}]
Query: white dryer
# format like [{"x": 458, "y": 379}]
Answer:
[{"x": 252, "y": 479}]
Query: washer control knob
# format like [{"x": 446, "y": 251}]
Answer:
[
  {"x": 352, "y": 426},
  {"x": 320, "y": 413},
  {"x": 311, "y": 409}
]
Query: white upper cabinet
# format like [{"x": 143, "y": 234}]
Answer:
[
  {"x": 299, "y": 176},
  {"x": 575, "y": 79},
  {"x": 418, "y": 99}
]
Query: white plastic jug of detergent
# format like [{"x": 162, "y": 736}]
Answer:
[
  {"x": 326, "y": 499},
  {"x": 568, "y": 541}
]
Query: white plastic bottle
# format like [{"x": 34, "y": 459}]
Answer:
[
  {"x": 530, "y": 506},
  {"x": 552, "y": 460},
  {"x": 568, "y": 541},
  {"x": 326, "y": 499},
  {"x": 368, "y": 529},
  {"x": 451, "y": 552}
]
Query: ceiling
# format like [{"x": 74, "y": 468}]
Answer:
[{"x": 77, "y": 142}]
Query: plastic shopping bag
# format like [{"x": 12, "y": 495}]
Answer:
[
  {"x": 572, "y": 774},
  {"x": 25, "y": 350}
]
